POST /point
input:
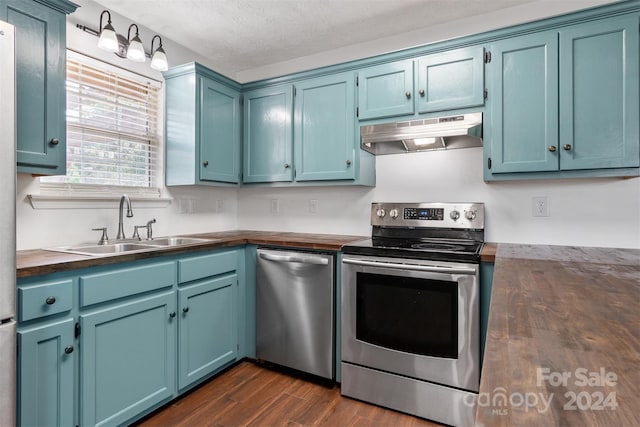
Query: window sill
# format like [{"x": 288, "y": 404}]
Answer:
[{"x": 45, "y": 201}]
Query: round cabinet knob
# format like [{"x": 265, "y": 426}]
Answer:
[
  {"x": 205, "y": 163},
  {"x": 421, "y": 92},
  {"x": 286, "y": 166},
  {"x": 393, "y": 213},
  {"x": 172, "y": 314},
  {"x": 408, "y": 94},
  {"x": 470, "y": 215},
  {"x": 567, "y": 147},
  {"x": 185, "y": 310},
  {"x": 454, "y": 215},
  {"x": 552, "y": 148},
  {"x": 54, "y": 141},
  {"x": 50, "y": 300},
  {"x": 381, "y": 213},
  {"x": 348, "y": 163},
  {"x": 68, "y": 349}
]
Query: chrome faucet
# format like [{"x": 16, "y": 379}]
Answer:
[{"x": 123, "y": 199}]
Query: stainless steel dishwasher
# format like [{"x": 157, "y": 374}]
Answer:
[{"x": 295, "y": 310}]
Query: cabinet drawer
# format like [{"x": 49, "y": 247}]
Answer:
[
  {"x": 124, "y": 282},
  {"x": 206, "y": 265},
  {"x": 44, "y": 300}
]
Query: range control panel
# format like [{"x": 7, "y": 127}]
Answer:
[{"x": 439, "y": 215}]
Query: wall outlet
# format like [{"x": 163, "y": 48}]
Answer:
[
  {"x": 219, "y": 205},
  {"x": 275, "y": 206},
  {"x": 313, "y": 206},
  {"x": 540, "y": 206}
]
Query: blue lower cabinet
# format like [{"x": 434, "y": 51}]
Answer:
[
  {"x": 128, "y": 359},
  {"x": 208, "y": 335},
  {"x": 46, "y": 375}
]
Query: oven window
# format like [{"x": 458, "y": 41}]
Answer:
[{"x": 418, "y": 316}]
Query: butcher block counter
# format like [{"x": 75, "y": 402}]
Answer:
[
  {"x": 563, "y": 341},
  {"x": 38, "y": 261}
]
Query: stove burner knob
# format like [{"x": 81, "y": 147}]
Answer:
[
  {"x": 393, "y": 213},
  {"x": 470, "y": 215},
  {"x": 381, "y": 213},
  {"x": 454, "y": 215}
]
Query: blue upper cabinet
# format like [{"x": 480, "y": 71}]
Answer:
[
  {"x": 565, "y": 103},
  {"x": 40, "y": 83},
  {"x": 324, "y": 128},
  {"x": 450, "y": 80},
  {"x": 268, "y": 134},
  {"x": 386, "y": 90},
  {"x": 599, "y": 94},
  {"x": 203, "y": 125},
  {"x": 220, "y": 118},
  {"x": 524, "y": 104}
]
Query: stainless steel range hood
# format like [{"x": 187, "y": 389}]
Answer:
[{"x": 438, "y": 133}]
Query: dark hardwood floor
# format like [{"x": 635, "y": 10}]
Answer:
[{"x": 253, "y": 395}]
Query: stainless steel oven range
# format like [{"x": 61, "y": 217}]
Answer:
[{"x": 410, "y": 310}]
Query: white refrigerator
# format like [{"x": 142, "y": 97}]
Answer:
[{"x": 7, "y": 227}]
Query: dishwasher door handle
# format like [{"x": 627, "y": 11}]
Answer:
[
  {"x": 425, "y": 268},
  {"x": 295, "y": 258}
]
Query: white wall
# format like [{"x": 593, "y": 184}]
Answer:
[{"x": 585, "y": 212}]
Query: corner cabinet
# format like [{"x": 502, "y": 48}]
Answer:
[
  {"x": 580, "y": 117},
  {"x": 203, "y": 119},
  {"x": 40, "y": 83}
]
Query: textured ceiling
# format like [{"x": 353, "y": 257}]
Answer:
[{"x": 248, "y": 34}]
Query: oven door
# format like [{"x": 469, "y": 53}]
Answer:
[{"x": 412, "y": 317}]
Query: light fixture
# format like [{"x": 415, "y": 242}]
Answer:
[
  {"x": 108, "y": 37},
  {"x": 158, "y": 57},
  {"x": 129, "y": 48},
  {"x": 135, "y": 51}
]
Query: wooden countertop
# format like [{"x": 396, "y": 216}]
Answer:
[
  {"x": 38, "y": 261},
  {"x": 562, "y": 311}
]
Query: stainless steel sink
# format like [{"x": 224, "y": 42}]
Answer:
[
  {"x": 177, "y": 241},
  {"x": 132, "y": 246}
]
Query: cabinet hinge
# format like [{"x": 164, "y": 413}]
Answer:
[
  {"x": 357, "y": 81},
  {"x": 489, "y": 163},
  {"x": 238, "y": 347},
  {"x": 241, "y": 100},
  {"x": 76, "y": 332},
  {"x": 295, "y": 172},
  {"x": 486, "y": 94},
  {"x": 487, "y": 57},
  {"x": 295, "y": 91},
  {"x": 357, "y": 111}
]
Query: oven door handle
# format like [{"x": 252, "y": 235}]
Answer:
[
  {"x": 289, "y": 258},
  {"x": 426, "y": 268}
]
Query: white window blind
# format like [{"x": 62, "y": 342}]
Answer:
[{"x": 112, "y": 127}]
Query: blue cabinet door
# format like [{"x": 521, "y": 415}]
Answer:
[
  {"x": 523, "y": 135},
  {"x": 268, "y": 135},
  {"x": 208, "y": 335},
  {"x": 128, "y": 359},
  {"x": 324, "y": 128},
  {"x": 386, "y": 90},
  {"x": 599, "y": 95},
  {"x": 451, "y": 80},
  {"x": 219, "y": 132},
  {"x": 45, "y": 375},
  {"x": 40, "y": 84}
]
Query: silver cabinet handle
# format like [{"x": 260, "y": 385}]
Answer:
[
  {"x": 295, "y": 258},
  {"x": 427, "y": 268}
]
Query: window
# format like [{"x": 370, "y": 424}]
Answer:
[{"x": 112, "y": 127}]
